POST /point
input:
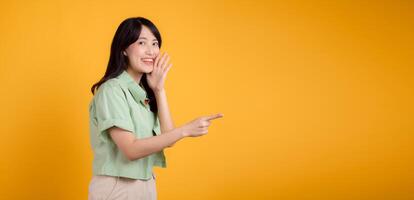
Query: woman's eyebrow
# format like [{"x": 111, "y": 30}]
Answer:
[{"x": 145, "y": 38}]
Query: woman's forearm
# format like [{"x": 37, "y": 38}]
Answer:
[
  {"x": 164, "y": 114},
  {"x": 146, "y": 146}
]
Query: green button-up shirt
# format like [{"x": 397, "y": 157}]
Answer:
[{"x": 120, "y": 102}]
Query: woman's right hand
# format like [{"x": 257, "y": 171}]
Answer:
[{"x": 199, "y": 126}]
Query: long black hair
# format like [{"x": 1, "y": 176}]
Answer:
[{"x": 127, "y": 33}]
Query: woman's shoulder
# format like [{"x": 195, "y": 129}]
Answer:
[
  {"x": 111, "y": 91},
  {"x": 111, "y": 85}
]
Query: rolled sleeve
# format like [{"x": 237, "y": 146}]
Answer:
[{"x": 112, "y": 109}]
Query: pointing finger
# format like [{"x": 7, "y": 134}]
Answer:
[{"x": 219, "y": 115}]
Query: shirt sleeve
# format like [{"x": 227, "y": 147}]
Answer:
[{"x": 112, "y": 109}]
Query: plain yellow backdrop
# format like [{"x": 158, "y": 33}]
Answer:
[{"x": 317, "y": 97}]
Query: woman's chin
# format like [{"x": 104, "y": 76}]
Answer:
[
  {"x": 149, "y": 70},
  {"x": 146, "y": 69}
]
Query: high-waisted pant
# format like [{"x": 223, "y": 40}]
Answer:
[{"x": 102, "y": 187}]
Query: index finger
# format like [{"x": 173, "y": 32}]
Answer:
[
  {"x": 219, "y": 115},
  {"x": 157, "y": 58}
]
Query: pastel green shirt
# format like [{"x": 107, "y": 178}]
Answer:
[{"x": 120, "y": 102}]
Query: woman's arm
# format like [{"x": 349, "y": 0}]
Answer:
[
  {"x": 164, "y": 115},
  {"x": 134, "y": 148},
  {"x": 156, "y": 81}
]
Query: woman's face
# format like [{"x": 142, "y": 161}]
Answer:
[{"x": 141, "y": 54}]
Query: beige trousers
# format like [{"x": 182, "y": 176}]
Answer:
[{"x": 102, "y": 187}]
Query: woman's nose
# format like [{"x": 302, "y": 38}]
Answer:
[{"x": 150, "y": 51}]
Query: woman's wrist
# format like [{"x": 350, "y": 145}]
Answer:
[
  {"x": 159, "y": 92},
  {"x": 181, "y": 131}
]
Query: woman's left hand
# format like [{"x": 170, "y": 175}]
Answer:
[{"x": 156, "y": 78}]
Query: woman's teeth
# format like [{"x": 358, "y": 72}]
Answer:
[{"x": 148, "y": 61}]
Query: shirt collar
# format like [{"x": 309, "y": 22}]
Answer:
[{"x": 134, "y": 88}]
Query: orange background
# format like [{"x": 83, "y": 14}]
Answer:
[{"x": 317, "y": 97}]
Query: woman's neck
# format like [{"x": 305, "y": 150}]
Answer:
[{"x": 135, "y": 75}]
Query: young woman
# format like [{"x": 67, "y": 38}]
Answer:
[{"x": 130, "y": 121}]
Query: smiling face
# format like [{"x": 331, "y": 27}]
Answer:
[{"x": 141, "y": 54}]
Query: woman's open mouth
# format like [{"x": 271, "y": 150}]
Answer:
[{"x": 148, "y": 61}]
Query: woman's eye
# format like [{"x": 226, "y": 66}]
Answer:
[
  {"x": 140, "y": 42},
  {"x": 156, "y": 43}
]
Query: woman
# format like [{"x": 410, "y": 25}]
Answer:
[{"x": 130, "y": 121}]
